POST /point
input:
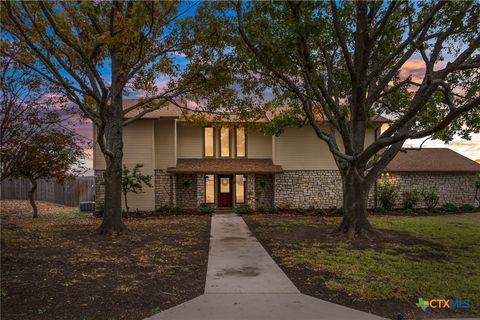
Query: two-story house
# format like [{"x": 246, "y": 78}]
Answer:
[{"x": 227, "y": 164}]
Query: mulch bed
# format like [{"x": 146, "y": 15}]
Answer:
[
  {"x": 312, "y": 282},
  {"x": 60, "y": 269}
]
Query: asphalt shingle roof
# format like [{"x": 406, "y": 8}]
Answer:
[{"x": 432, "y": 160}]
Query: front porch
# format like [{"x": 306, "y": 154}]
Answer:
[{"x": 219, "y": 183}]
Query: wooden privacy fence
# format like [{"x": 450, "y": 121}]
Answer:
[{"x": 71, "y": 193}]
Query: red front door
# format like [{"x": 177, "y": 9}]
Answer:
[{"x": 225, "y": 191}]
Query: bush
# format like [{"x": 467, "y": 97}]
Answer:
[
  {"x": 320, "y": 212},
  {"x": 243, "y": 209},
  {"x": 449, "y": 207},
  {"x": 205, "y": 208},
  {"x": 300, "y": 210},
  {"x": 163, "y": 209},
  {"x": 410, "y": 199},
  {"x": 466, "y": 208},
  {"x": 177, "y": 210},
  {"x": 273, "y": 210},
  {"x": 387, "y": 195},
  {"x": 430, "y": 198},
  {"x": 339, "y": 211}
]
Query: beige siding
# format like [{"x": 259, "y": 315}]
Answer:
[
  {"x": 165, "y": 144},
  {"x": 138, "y": 148},
  {"x": 189, "y": 142},
  {"x": 301, "y": 149},
  {"x": 258, "y": 145}
]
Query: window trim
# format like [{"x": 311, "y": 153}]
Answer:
[
  {"x": 214, "y": 188},
  {"x": 244, "y": 187},
  {"x": 229, "y": 142},
  {"x": 246, "y": 139},
  {"x": 204, "y": 144}
]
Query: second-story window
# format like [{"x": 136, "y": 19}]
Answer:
[
  {"x": 224, "y": 142},
  {"x": 208, "y": 142},
  {"x": 240, "y": 141}
]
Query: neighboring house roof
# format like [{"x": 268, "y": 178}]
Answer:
[
  {"x": 431, "y": 160},
  {"x": 172, "y": 111},
  {"x": 225, "y": 166}
]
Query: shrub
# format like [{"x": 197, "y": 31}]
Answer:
[
  {"x": 177, "y": 210},
  {"x": 430, "y": 198},
  {"x": 205, "y": 208},
  {"x": 387, "y": 195},
  {"x": 244, "y": 209},
  {"x": 380, "y": 210},
  {"x": 273, "y": 210},
  {"x": 449, "y": 207},
  {"x": 163, "y": 209},
  {"x": 466, "y": 207},
  {"x": 410, "y": 199},
  {"x": 300, "y": 210}
]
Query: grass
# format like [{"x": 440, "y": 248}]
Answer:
[
  {"x": 56, "y": 266},
  {"x": 435, "y": 257}
]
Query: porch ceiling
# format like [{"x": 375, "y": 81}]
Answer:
[{"x": 225, "y": 166}]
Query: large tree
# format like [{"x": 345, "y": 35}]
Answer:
[
  {"x": 345, "y": 62},
  {"x": 95, "y": 52}
]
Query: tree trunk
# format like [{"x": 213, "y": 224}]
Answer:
[
  {"x": 355, "y": 200},
  {"x": 126, "y": 202},
  {"x": 112, "y": 216},
  {"x": 31, "y": 197}
]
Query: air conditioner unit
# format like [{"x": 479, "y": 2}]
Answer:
[{"x": 87, "y": 206}]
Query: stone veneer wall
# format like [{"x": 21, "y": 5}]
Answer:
[
  {"x": 164, "y": 188},
  {"x": 99, "y": 190},
  {"x": 264, "y": 193},
  {"x": 310, "y": 189},
  {"x": 186, "y": 190},
  {"x": 456, "y": 188}
]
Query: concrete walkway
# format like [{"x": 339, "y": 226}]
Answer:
[{"x": 243, "y": 282}]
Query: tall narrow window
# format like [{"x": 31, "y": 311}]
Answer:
[
  {"x": 225, "y": 142},
  {"x": 208, "y": 142},
  {"x": 240, "y": 146},
  {"x": 209, "y": 188},
  {"x": 239, "y": 188}
]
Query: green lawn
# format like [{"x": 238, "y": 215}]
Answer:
[{"x": 427, "y": 256}]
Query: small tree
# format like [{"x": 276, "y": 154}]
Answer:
[
  {"x": 55, "y": 154},
  {"x": 132, "y": 181},
  {"x": 25, "y": 111}
]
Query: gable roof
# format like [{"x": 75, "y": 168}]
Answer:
[{"x": 431, "y": 160}]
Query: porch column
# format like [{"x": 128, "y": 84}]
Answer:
[
  {"x": 251, "y": 190},
  {"x": 200, "y": 189},
  {"x": 173, "y": 178}
]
